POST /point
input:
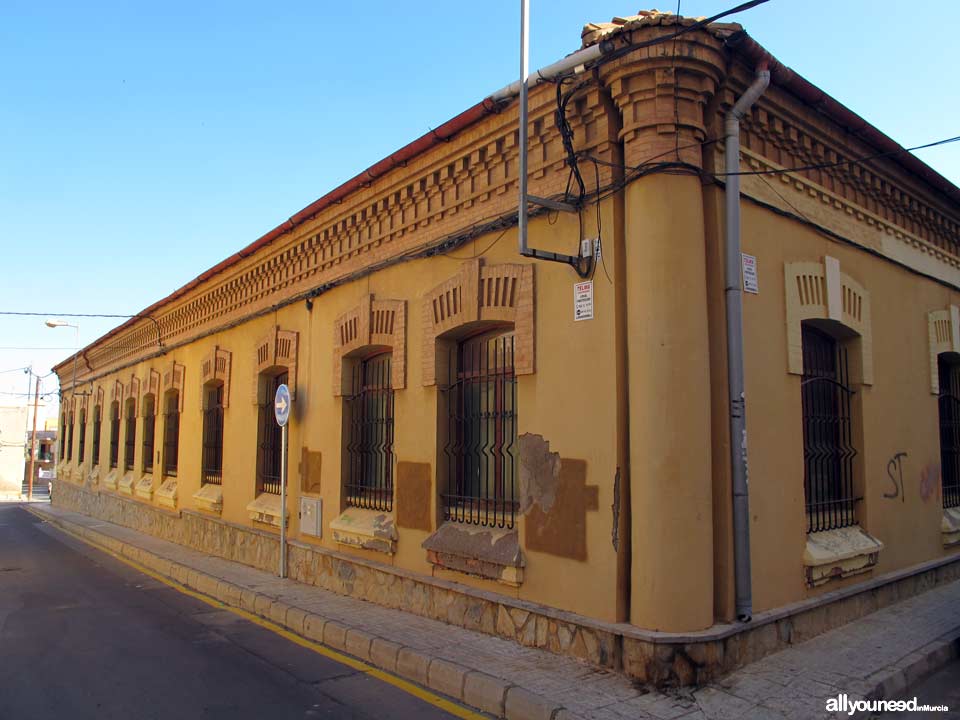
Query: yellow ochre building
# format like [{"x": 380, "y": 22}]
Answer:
[{"x": 540, "y": 448}]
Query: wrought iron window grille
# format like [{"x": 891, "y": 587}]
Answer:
[
  {"x": 828, "y": 448},
  {"x": 949, "y": 410},
  {"x": 70, "y": 439},
  {"x": 269, "y": 439},
  {"x": 97, "y": 414},
  {"x": 130, "y": 438},
  {"x": 81, "y": 444},
  {"x": 114, "y": 435},
  {"x": 479, "y": 453},
  {"x": 212, "y": 459},
  {"x": 171, "y": 435},
  {"x": 149, "y": 429},
  {"x": 369, "y": 410}
]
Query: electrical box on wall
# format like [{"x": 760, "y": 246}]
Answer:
[{"x": 311, "y": 516}]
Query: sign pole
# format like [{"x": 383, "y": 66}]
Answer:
[
  {"x": 283, "y": 502},
  {"x": 281, "y": 411}
]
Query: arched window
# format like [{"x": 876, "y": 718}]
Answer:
[
  {"x": 948, "y": 366},
  {"x": 130, "y": 435},
  {"x": 480, "y": 449},
  {"x": 149, "y": 428},
  {"x": 829, "y": 451},
  {"x": 97, "y": 413},
  {"x": 171, "y": 433},
  {"x": 114, "y": 433},
  {"x": 269, "y": 445},
  {"x": 83, "y": 436},
  {"x": 212, "y": 460},
  {"x": 368, "y": 422}
]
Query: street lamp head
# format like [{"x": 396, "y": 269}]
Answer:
[{"x": 51, "y": 323}]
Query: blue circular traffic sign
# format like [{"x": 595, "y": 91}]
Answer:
[{"x": 281, "y": 405}]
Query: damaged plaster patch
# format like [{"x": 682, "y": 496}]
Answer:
[
  {"x": 615, "y": 508},
  {"x": 539, "y": 473}
]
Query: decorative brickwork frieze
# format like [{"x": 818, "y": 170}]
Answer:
[
  {"x": 173, "y": 379},
  {"x": 877, "y": 199},
  {"x": 372, "y": 323},
  {"x": 819, "y": 291},
  {"x": 278, "y": 348},
  {"x": 216, "y": 366},
  {"x": 943, "y": 327},
  {"x": 481, "y": 293}
]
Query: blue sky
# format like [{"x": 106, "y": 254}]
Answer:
[{"x": 142, "y": 143}]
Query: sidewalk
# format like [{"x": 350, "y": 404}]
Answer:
[{"x": 875, "y": 657}]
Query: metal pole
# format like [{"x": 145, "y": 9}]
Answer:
[
  {"x": 283, "y": 502},
  {"x": 33, "y": 441},
  {"x": 522, "y": 167},
  {"x": 739, "y": 473}
]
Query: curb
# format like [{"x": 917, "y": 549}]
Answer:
[
  {"x": 473, "y": 688},
  {"x": 894, "y": 681}
]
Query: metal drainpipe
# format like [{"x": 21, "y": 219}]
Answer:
[{"x": 743, "y": 594}]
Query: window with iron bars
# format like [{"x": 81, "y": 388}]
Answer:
[
  {"x": 949, "y": 402},
  {"x": 212, "y": 460},
  {"x": 149, "y": 430},
  {"x": 481, "y": 436},
  {"x": 81, "y": 446},
  {"x": 369, "y": 414},
  {"x": 70, "y": 438},
  {"x": 97, "y": 414},
  {"x": 828, "y": 447},
  {"x": 269, "y": 439},
  {"x": 130, "y": 437},
  {"x": 171, "y": 434},
  {"x": 114, "y": 434},
  {"x": 63, "y": 435}
]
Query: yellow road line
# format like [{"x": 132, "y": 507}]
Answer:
[{"x": 398, "y": 682}]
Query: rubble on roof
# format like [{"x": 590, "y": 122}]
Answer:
[{"x": 595, "y": 32}]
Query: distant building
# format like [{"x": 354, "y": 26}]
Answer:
[
  {"x": 507, "y": 444},
  {"x": 46, "y": 456},
  {"x": 13, "y": 419}
]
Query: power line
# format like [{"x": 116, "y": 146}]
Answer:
[{"x": 851, "y": 161}]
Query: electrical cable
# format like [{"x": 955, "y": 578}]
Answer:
[{"x": 838, "y": 163}]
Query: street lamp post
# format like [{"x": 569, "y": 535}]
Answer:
[{"x": 51, "y": 323}]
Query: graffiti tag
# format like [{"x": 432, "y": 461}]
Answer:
[{"x": 895, "y": 473}]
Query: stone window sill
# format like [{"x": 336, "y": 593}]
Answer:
[
  {"x": 93, "y": 477},
  {"x": 110, "y": 481},
  {"x": 839, "y": 553},
  {"x": 125, "y": 484},
  {"x": 266, "y": 509},
  {"x": 950, "y": 527},
  {"x": 367, "y": 529},
  {"x": 144, "y": 488},
  {"x": 485, "y": 552},
  {"x": 166, "y": 494},
  {"x": 210, "y": 498}
]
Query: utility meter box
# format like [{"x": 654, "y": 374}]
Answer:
[{"x": 311, "y": 516}]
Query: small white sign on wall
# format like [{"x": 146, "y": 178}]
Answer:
[
  {"x": 583, "y": 300},
  {"x": 750, "y": 283}
]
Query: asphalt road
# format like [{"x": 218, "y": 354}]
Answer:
[{"x": 83, "y": 635}]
